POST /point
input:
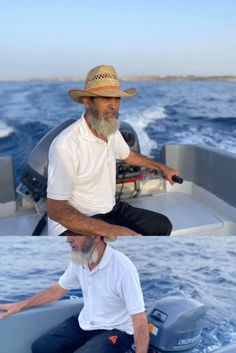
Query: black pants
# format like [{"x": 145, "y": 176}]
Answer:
[
  {"x": 70, "y": 338},
  {"x": 142, "y": 221}
]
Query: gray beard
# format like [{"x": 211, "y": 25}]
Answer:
[
  {"x": 84, "y": 258},
  {"x": 103, "y": 127}
]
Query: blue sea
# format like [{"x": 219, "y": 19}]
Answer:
[
  {"x": 203, "y": 268},
  {"x": 199, "y": 112}
]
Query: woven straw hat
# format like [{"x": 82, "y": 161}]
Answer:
[{"x": 101, "y": 81}]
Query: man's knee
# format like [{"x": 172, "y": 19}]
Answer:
[
  {"x": 159, "y": 225},
  {"x": 167, "y": 228}
]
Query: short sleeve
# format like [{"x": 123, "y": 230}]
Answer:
[
  {"x": 132, "y": 292},
  {"x": 69, "y": 280},
  {"x": 122, "y": 148},
  {"x": 61, "y": 173}
]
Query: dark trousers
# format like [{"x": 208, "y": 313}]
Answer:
[
  {"x": 70, "y": 338},
  {"x": 144, "y": 222}
]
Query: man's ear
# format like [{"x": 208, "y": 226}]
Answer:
[{"x": 87, "y": 102}]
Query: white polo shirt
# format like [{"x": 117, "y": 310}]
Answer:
[
  {"x": 111, "y": 292},
  {"x": 82, "y": 170}
]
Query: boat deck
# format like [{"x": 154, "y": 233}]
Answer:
[
  {"x": 205, "y": 204},
  {"x": 192, "y": 211},
  {"x": 186, "y": 214}
]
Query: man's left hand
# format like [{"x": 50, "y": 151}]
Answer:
[{"x": 168, "y": 173}]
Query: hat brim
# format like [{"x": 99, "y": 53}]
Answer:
[
  {"x": 77, "y": 95},
  {"x": 107, "y": 238}
]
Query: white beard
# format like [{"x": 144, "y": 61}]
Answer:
[
  {"x": 84, "y": 258},
  {"x": 103, "y": 127}
]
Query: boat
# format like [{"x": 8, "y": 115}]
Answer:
[
  {"x": 175, "y": 325},
  {"x": 203, "y": 204}
]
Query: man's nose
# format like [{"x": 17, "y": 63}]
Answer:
[{"x": 114, "y": 103}]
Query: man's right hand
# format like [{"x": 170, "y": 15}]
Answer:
[{"x": 9, "y": 309}]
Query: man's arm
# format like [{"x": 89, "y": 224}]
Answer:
[
  {"x": 62, "y": 212},
  {"x": 141, "y": 332},
  {"x": 49, "y": 295},
  {"x": 139, "y": 160}
]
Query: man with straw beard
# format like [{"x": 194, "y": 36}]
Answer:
[
  {"x": 113, "y": 316},
  {"x": 82, "y": 167}
]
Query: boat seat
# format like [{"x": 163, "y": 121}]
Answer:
[
  {"x": 33, "y": 323},
  {"x": 186, "y": 214}
]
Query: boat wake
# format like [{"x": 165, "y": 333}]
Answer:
[
  {"x": 5, "y": 130},
  {"x": 206, "y": 136},
  {"x": 140, "y": 120}
]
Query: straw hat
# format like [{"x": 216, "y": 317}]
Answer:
[
  {"x": 101, "y": 81},
  {"x": 107, "y": 238}
]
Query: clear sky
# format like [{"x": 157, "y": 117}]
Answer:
[{"x": 65, "y": 38}]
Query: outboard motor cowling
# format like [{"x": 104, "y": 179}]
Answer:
[
  {"x": 126, "y": 173},
  {"x": 35, "y": 172},
  {"x": 175, "y": 324}
]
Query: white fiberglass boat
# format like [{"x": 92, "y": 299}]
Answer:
[
  {"x": 204, "y": 204},
  {"x": 175, "y": 325}
]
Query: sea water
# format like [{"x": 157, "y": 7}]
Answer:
[{"x": 199, "y": 112}]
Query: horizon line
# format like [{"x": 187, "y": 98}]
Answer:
[{"x": 125, "y": 78}]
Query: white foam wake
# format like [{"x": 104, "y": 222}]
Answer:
[
  {"x": 5, "y": 130},
  {"x": 208, "y": 137},
  {"x": 140, "y": 120}
]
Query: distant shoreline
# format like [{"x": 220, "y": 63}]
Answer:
[{"x": 127, "y": 78}]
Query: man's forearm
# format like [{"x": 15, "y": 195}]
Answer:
[
  {"x": 47, "y": 296},
  {"x": 141, "y": 333},
  {"x": 72, "y": 219},
  {"x": 141, "y": 341},
  {"x": 139, "y": 160},
  {"x": 65, "y": 214}
]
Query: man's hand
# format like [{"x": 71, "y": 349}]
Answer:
[
  {"x": 168, "y": 173},
  {"x": 9, "y": 309}
]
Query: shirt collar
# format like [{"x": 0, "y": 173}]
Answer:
[{"x": 105, "y": 260}]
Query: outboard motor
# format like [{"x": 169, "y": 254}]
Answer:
[
  {"x": 175, "y": 325},
  {"x": 126, "y": 173},
  {"x": 35, "y": 172}
]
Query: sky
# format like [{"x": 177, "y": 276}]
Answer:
[{"x": 66, "y": 38}]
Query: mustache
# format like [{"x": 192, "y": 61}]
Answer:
[{"x": 115, "y": 113}]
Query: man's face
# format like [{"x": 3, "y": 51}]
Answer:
[
  {"x": 83, "y": 249},
  {"x": 102, "y": 114}
]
